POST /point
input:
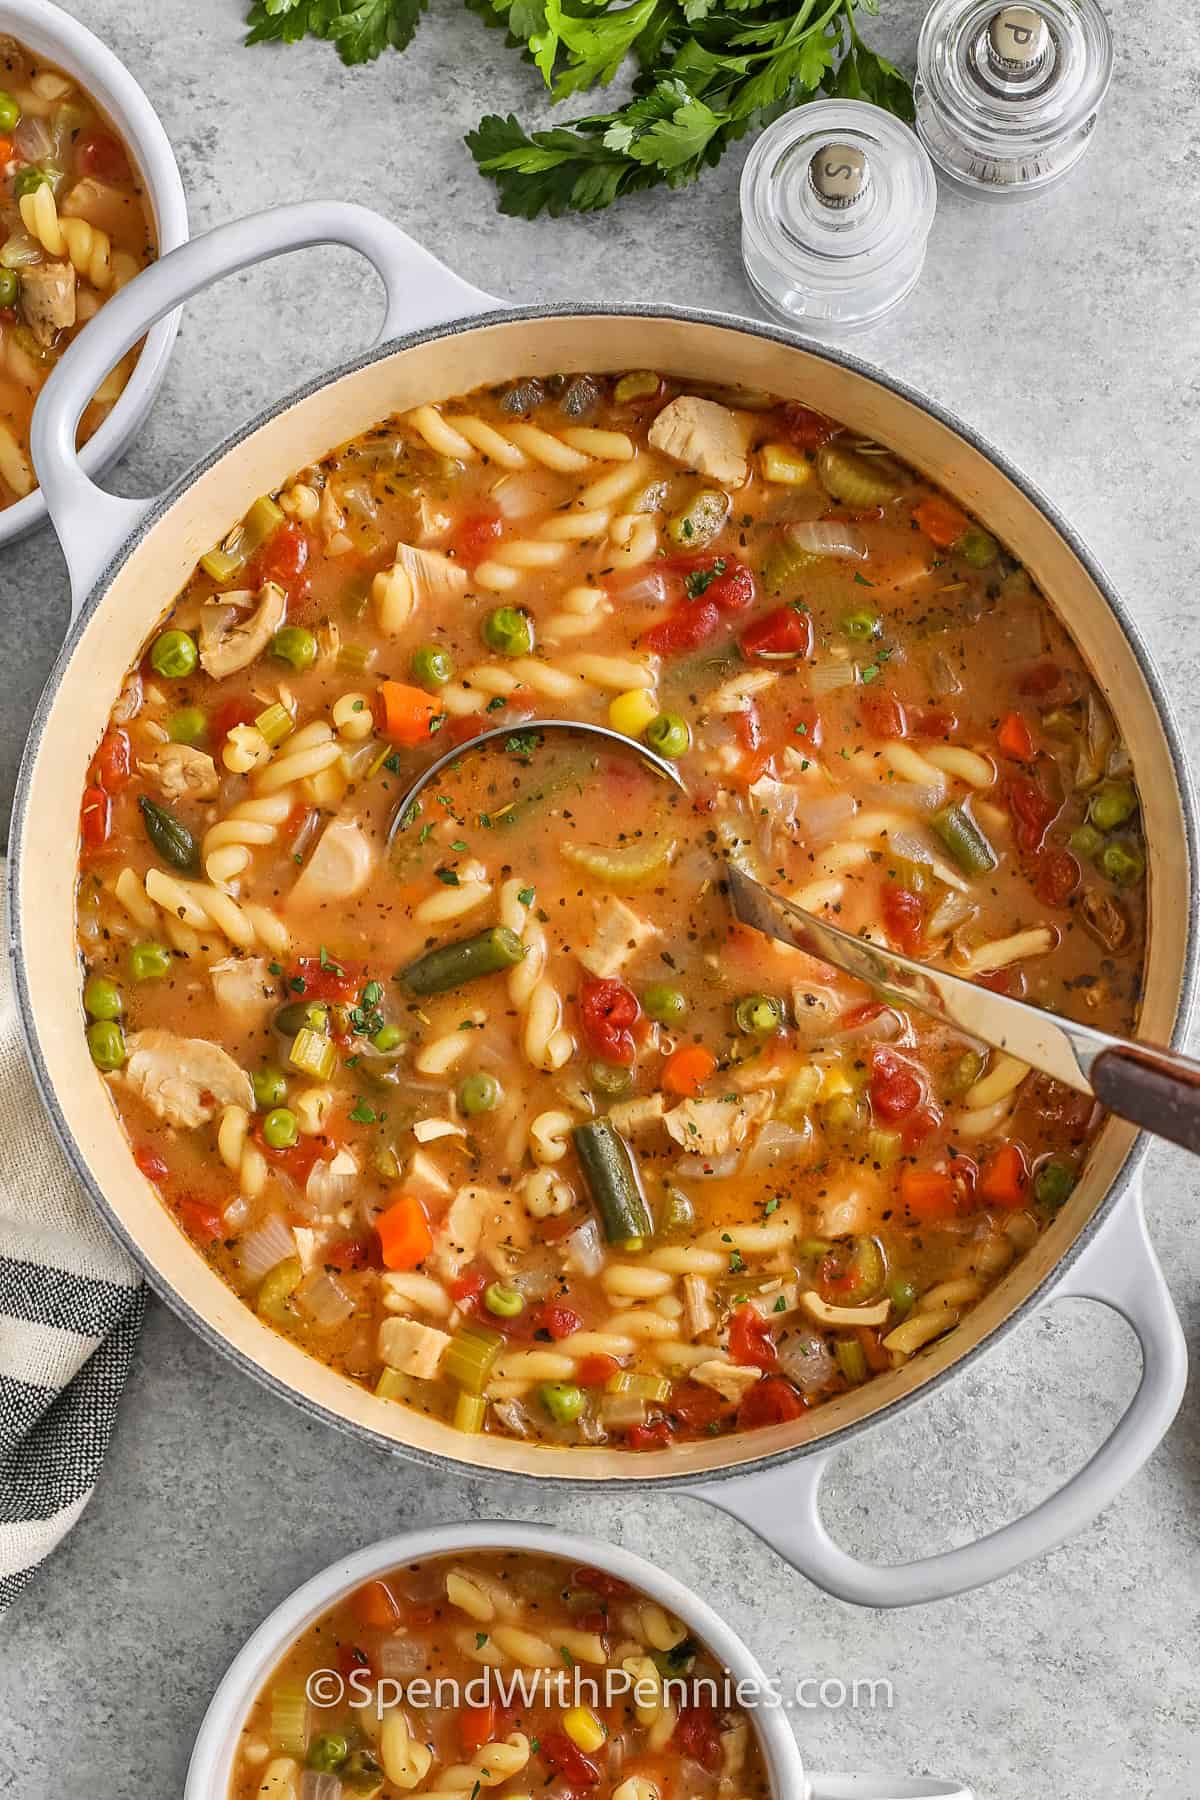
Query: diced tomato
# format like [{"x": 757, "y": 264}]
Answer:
[
  {"x": 807, "y": 726},
  {"x": 1032, "y": 810},
  {"x": 1000, "y": 981},
  {"x": 921, "y": 1123},
  {"x": 112, "y": 765},
  {"x": 771, "y": 1401},
  {"x": 1058, "y": 875},
  {"x": 351, "y": 1253},
  {"x": 734, "y": 588},
  {"x": 608, "y": 1012},
  {"x": 599, "y": 1581},
  {"x": 808, "y": 430},
  {"x": 1039, "y": 679},
  {"x": 655, "y": 1436},
  {"x": 476, "y": 535},
  {"x": 300, "y": 1158},
  {"x": 465, "y": 1289},
  {"x": 594, "y": 1371},
  {"x": 931, "y": 721},
  {"x": 697, "y": 1735},
  {"x": 882, "y": 715},
  {"x": 352, "y": 1660},
  {"x": 375, "y": 1607},
  {"x": 559, "y": 1321},
  {"x": 101, "y": 153},
  {"x": 684, "y": 629},
  {"x": 786, "y": 632},
  {"x": 568, "y": 1759},
  {"x": 241, "y": 711},
  {"x": 750, "y": 1340},
  {"x": 896, "y": 1088},
  {"x": 1004, "y": 1177},
  {"x": 476, "y": 1727},
  {"x": 696, "y": 1408},
  {"x": 331, "y": 980},
  {"x": 860, "y": 1015},
  {"x": 929, "y": 1194},
  {"x": 1015, "y": 739},
  {"x": 903, "y": 917},
  {"x": 152, "y": 1165},
  {"x": 95, "y": 818},
  {"x": 283, "y": 560},
  {"x": 200, "y": 1219}
]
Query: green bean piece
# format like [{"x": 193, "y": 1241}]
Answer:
[
  {"x": 562, "y": 1400},
  {"x": 861, "y": 625},
  {"x": 468, "y": 1361},
  {"x": 295, "y": 646},
  {"x": 677, "y": 1212},
  {"x": 1124, "y": 864},
  {"x": 759, "y": 1015},
  {"x": 1053, "y": 1183},
  {"x": 467, "y": 959},
  {"x": 508, "y": 630},
  {"x": 149, "y": 962},
  {"x": 431, "y": 665},
  {"x": 1086, "y": 842},
  {"x": 29, "y": 179},
  {"x": 978, "y": 547},
  {"x": 327, "y": 1752},
  {"x": 1112, "y": 803},
  {"x": 102, "y": 998},
  {"x": 612, "y": 1180},
  {"x": 270, "y": 1086},
  {"x": 640, "y": 384},
  {"x": 964, "y": 1073},
  {"x": 665, "y": 1004},
  {"x": 277, "y": 1288},
  {"x": 505, "y": 1302},
  {"x": 10, "y": 112},
  {"x": 106, "y": 1041},
  {"x": 907, "y": 873},
  {"x": 301, "y": 1015},
  {"x": 280, "y": 1128},
  {"x": 362, "y": 1774},
  {"x": 669, "y": 734},
  {"x": 851, "y": 1360},
  {"x": 174, "y": 655},
  {"x": 610, "y": 1079},
  {"x": 168, "y": 834},
  {"x": 10, "y": 287},
  {"x": 902, "y": 1293},
  {"x": 187, "y": 726},
  {"x": 701, "y": 521},
  {"x": 964, "y": 840},
  {"x": 479, "y": 1093}
]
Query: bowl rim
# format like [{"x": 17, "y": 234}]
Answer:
[
  {"x": 107, "y": 80},
  {"x": 210, "y": 1765}
]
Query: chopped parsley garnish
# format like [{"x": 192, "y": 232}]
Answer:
[
  {"x": 363, "y": 1114},
  {"x": 699, "y": 581}
]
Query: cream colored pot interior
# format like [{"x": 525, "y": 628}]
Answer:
[{"x": 161, "y": 562}]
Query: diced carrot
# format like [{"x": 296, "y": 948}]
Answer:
[
  {"x": 476, "y": 1727},
  {"x": 687, "y": 1069},
  {"x": 376, "y": 1607},
  {"x": 1004, "y": 1178},
  {"x": 404, "y": 1235},
  {"x": 928, "y": 1193},
  {"x": 877, "y": 1357},
  {"x": 942, "y": 522},
  {"x": 1014, "y": 738},
  {"x": 404, "y": 715}
]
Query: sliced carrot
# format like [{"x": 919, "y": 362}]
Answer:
[
  {"x": 1004, "y": 1178},
  {"x": 877, "y": 1357},
  {"x": 376, "y": 1607},
  {"x": 928, "y": 1193},
  {"x": 687, "y": 1069},
  {"x": 404, "y": 715},
  {"x": 404, "y": 1235},
  {"x": 1015, "y": 739},
  {"x": 942, "y": 522}
]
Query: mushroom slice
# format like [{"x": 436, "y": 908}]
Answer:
[
  {"x": 229, "y": 642},
  {"x": 824, "y": 1314},
  {"x": 702, "y": 436},
  {"x": 338, "y": 868},
  {"x": 181, "y": 772},
  {"x": 184, "y": 1080}
]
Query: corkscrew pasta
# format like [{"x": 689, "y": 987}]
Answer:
[{"x": 510, "y": 1123}]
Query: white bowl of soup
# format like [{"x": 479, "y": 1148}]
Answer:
[
  {"x": 506, "y": 1659},
  {"x": 90, "y": 194},
  {"x": 504, "y": 1147}
]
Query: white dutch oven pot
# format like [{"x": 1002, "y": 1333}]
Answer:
[
  {"x": 211, "y": 1768},
  {"x": 442, "y": 337}
]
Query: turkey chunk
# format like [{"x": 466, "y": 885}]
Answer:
[
  {"x": 338, "y": 868},
  {"x": 412, "y": 1348},
  {"x": 730, "y": 1380},
  {"x": 181, "y": 773},
  {"x": 702, "y": 436},
  {"x": 184, "y": 1080},
  {"x": 244, "y": 990},
  {"x": 617, "y": 937},
  {"x": 229, "y": 641},
  {"x": 712, "y": 1127},
  {"x": 47, "y": 300}
]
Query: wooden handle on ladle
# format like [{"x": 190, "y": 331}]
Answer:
[{"x": 1152, "y": 1088}]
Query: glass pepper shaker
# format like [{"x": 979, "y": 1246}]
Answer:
[
  {"x": 837, "y": 200},
  {"x": 1007, "y": 96}
]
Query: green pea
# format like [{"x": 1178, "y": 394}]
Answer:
[
  {"x": 28, "y": 180},
  {"x": 106, "y": 1041},
  {"x": 669, "y": 734},
  {"x": 479, "y": 1094},
  {"x": 759, "y": 1015},
  {"x": 10, "y": 287},
  {"x": 10, "y": 112},
  {"x": 295, "y": 646},
  {"x": 1112, "y": 803},
  {"x": 505, "y": 1302},
  {"x": 665, "y": 1004},
  {"x": 149, "y": 962},
  {"x": 173, "y": 655},
  {"x": 509, "y": 631},
  {"x": 1086, "y": 842},
  {"x": 562, "y": 1400},
  {"x": 301, "y": 1015},
  {"x": 102, "y": 998},
  {"x": 280, "y": 1129},
  {"x": 188, "y": 725},
  {"x": 639, "y": 385},
  {"x": 327, "y": 1752},
  {"x": 270, "y": 1086},
  {"x": 431, "y": 665},
  {"x": 387, "y": 1038},
  {"x": 1053, "y": 1183},
  {"x": 978, "y": 547},
  {"x": 861, "y": 625},
  {"x": 610, "y": 1079},
  {"x": 1123, "y": 863}
]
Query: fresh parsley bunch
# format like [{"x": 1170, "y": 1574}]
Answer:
[{"x": 708, "y": 71}]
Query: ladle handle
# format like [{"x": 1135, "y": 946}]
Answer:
[{"x": 1153, "y": 1088}]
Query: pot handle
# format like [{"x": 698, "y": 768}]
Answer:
[
  {"x": 1119, "y": 1269},
  {"x": 92, "y": 524}
]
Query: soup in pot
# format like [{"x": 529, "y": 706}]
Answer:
[
  {"x": 508, "y": 1119},
  {"x": 503, "y": 1673}
]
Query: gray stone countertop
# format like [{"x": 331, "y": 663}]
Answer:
[{"x": 1068, "y": 332}]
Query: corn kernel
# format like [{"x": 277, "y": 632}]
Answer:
[
  {"x": 584, "y": 1728},
  {"x": 779, "y": 463},
  {"x": 834, "y": 1082},
  {"x": 630, "y": 713}
]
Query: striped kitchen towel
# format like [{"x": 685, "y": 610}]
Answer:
[{"x": 71, "y": 1306}]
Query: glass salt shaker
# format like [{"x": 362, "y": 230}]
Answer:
[
  {"x": 837, "y": 199},
  {"x": 1007, "y": 97}
]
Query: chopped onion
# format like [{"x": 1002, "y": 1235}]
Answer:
[
  {"x": 324, "y": 1299},
  {"x": 951, "y": 912},
  {"x": 317, "y": 1784},
  {"x": 779, "y": 1142},
  {"x": 540, "y": 1273},
  {"x": 827, "y": 537},
  {"x": 33, "y": 139},
  {"x": 914, "y": 796},
  {"x": 825, "y": 815},
  {"x": 805, "y": 1359},
  {"x": 707, "y": 1168},
  {"x": 357, "y": 498},
  {"x": 585, "y": 1249},
  {"x": 650, "y": 589},
  {"x": 20, "y": 251},
  {"x": 401, "y": 1655},
  {"x": 529, "y": 491},
  {"x": 825, "y": 677},
  {"x": 1023, "y": 635},
  {"x": 266, "y": 1247},
  {"x": 329, "y": 1184},
  {"x": 621, "y": 1411},
  {"x": 882, "y": 1028},
  {"x": 235, "y": 1215}
]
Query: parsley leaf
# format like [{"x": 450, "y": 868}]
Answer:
[
  {"x": 698, "y": 581},
  {"x": 362, "y": 1114},
  {"x": 361, "y": 29}
]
